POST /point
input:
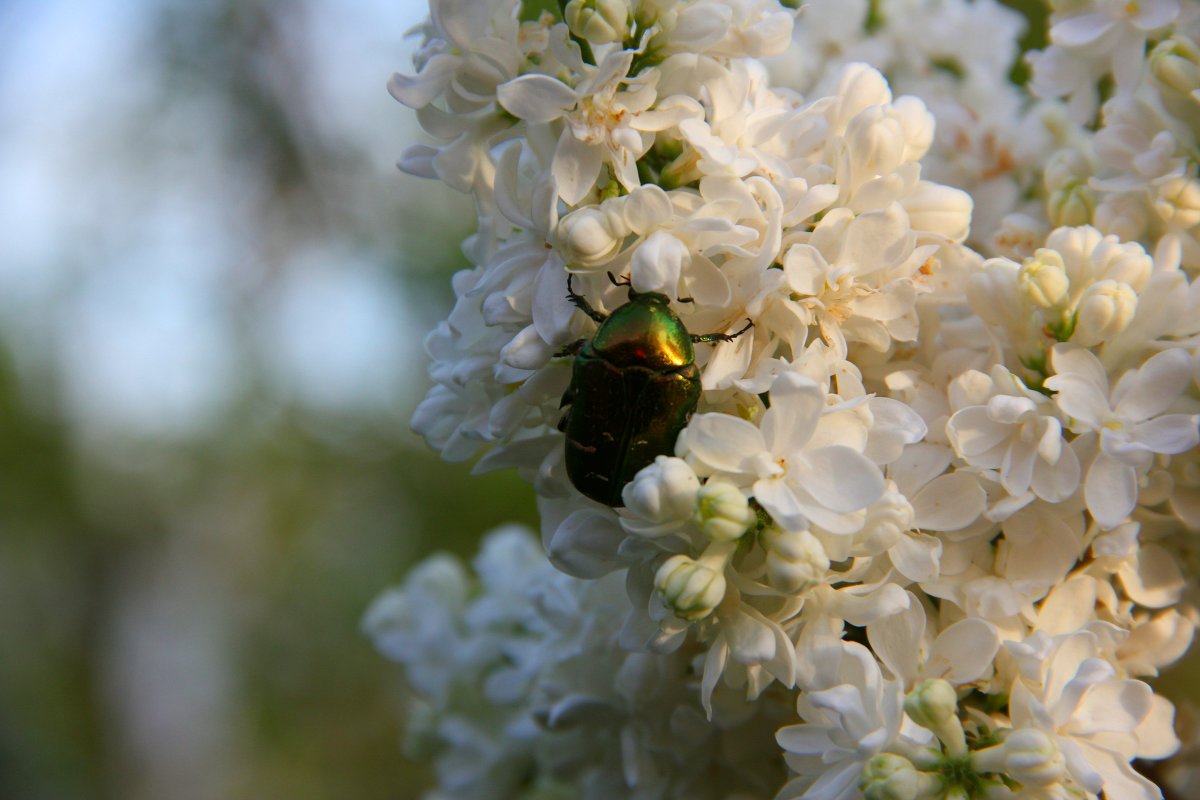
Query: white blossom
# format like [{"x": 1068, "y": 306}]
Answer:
[
  {"x": 935, "y": 494},
  {"x": 1129, "y": 421}
]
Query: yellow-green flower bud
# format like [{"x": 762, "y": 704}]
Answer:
[
  {"x": 1043, "y": 280},
  {"x": 1178, "y": 202},
  {"x": 598, "y": 21},
  {"x": 690, "y": 588},
  {"x": 1176, "y": 63},
  {"x": 1106, "y": 309},
  {"x": 933, "y": 704},
  {"x": 723, "y": 512},
  {"x": 1071, "y": 206},
  {"x": 796, "y": 560},
  {"x": 1034, "y": 758},
  {"x": 888, "y": 776}
]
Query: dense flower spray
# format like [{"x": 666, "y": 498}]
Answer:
[{"x": 929, "y": 526}]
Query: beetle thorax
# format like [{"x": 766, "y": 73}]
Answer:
[{"x": 644, "y": 333}]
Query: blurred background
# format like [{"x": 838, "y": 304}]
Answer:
[
  {"x": 213, "y": 289},
  {"x": 214, "y": 286}
]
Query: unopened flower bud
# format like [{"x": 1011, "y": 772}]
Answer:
[
  {"x": 660, "y": 498},
  {"x": 796, "y": 560},
  {"x": 1178, "y": 203},
  {"x": 723, "y": 512},
  {"x": 933, "y": 704},
  {"x": 1043, "y": 280},
  {"x": 1072, "y": 205},
  {"x": 1034, "y": 758},
  {"x": 1176, "y": 63},
  {"x": 1064, "y": 168},
  {"x": 598, "y": 21},
  {"x": 590, "y": 236},
  {"x": 888, "y": 776},
  {"x": 690, "y": 588},
  {"x": 1105, "y": 310}
]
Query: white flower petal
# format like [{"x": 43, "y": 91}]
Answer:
[
  {"x": 917, "y": 556},
  {"x": 536, "y": 98},
  {"x": 1158, "y": 581},
  {"x": 876, "y": 240},
  {"x": 836, "y": 783},
  {"x": 805, "y": 740},
  {"x": 780, "y": 502},
  {"x": 963, "y": 652},
  {"x": 1113, "y": 706},
  {"x": 949, "y": 503},
  {"x": 576, "y": 167},
  {"x": 1071, "y": 359},
  {"x": 418, "y": 91},
  {"x": 1068, "y": 607},
  {"x": 585, "y": 544},
  {"x": 1080, "y": 399},
  {"x": 1056, "y": 482},
  {"x": 796, "y": 405},
  {"x": 658, "y": 263},
  {"x": 1110, "y": 490},
  {"x": 897, "y": 641},
  {"x": 724, "y": 443},
  {"x": 972, "y": 432},
  {"x": 1080, "y": 29},
  {"x": 1153, "y": 388},
  {"x": 1170, "y": 434},
  {"x": 552, "y": 316},
  {"x": 839, "y": 478},
  {"x": 1156, "y": 733},
  {"x": 864, "y": 609},
  {"x": 751, "y": 641}
]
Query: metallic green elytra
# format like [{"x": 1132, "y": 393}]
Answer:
[{"x": 634, "y": 385}]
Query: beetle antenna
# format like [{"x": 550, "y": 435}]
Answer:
[
  {"x": 580, "y": 302},
  {"x": 685, "y": 299},
  {"x": 623, "y": 281},
  {"x": 721, "y": 337}
]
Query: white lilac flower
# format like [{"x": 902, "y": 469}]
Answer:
[
  {"x": 1112, "y": 28},
  {"x": 470, "y": 49},
  {"x": 798, "y": 484},
  {"x": 855, "y": 715},
  {"x": 1099, "y": 722},
  {"x": 999, "y": 424},
  {"x": 895, "y": 446},
  {"x": 729, "y": 28},
  {"x": 601, "y": 120},
  {"x": 1082, "y": 287},
  {"x": 1093, "y": 38},
  {"x": 1130, "y": 421},
  {"x": 913, "y": 651},
  {"x": 520, "y": 684}
]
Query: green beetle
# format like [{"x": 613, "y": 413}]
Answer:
[{"x": 634, "y": 385}]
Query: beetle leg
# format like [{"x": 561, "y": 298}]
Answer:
[
  {"x": 623, "y": 281},
  {"x": 721, "y": 337},
  {"x": 571, "y": 349},
  {"x": 581, "y": 302}
]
